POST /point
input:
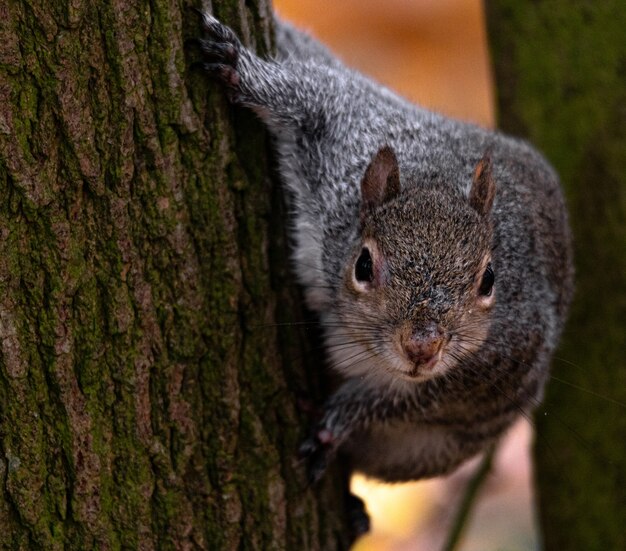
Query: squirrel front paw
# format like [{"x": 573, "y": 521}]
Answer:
[
  {"x": 220, "y": 50},
  {"x": 319, "y": 450}
]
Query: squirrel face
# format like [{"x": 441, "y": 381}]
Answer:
[{"x": 419, "y": 288}]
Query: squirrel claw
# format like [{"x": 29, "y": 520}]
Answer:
[
  {"x": 227, "y": 74},
  {"x": 319, "y": 451},
  {"x": 307, "y": 448},
  {"x": 213, "y": 27},
  {"x": 358, "y": 518},
  {"x": 317, "y": 466},
  {"x": 220, "y": 52},
  {"x": 215, "y": 51}
]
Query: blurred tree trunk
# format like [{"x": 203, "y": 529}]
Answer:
[
  {"x": 561, "y": 82},
  {"x": 146, "y": 397}
]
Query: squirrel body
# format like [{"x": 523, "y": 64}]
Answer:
[{"x": 436, "y": 253}]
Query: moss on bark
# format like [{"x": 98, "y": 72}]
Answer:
[
  {"x": 561, "y": 81},
  {"x": 146, "y": 397}
]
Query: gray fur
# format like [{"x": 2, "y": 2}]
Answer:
[{"x": 328, "y": 123}]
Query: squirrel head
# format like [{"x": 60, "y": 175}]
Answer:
[{"x": 419, "y": 287}]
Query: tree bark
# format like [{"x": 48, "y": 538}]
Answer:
[
  {"x": 147, "y": 398},
  {"x": 561, "y": 81}
]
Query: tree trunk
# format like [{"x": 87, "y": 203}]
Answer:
[
  {"x": 561, "y": 80},
  {"x": 147, "y": 399}
]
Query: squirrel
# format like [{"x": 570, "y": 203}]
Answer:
[{"x": 436, "y": 254}]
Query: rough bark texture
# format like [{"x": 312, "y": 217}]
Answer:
[
  {"x": 146, "y": 398},
  {"x": 561, "y": 81}
]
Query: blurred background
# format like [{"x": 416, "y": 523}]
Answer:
[{"x": 433, "y": 52}]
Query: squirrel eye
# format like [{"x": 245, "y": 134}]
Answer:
[
  {"x": 486, "y": 284},
  {"x": 364, "y": 269}
]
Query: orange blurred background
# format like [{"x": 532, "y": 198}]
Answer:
[{"x": 433, "y": 52}]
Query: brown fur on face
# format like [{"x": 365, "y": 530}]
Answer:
[{"x": 427, "y": 267}]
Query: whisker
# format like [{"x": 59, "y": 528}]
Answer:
[
  {"x": 583, "y": 389},
  {"x": 536, "y": 404},
  {"x": 554, "y": 377},
  {"x": 525, "y": 415}
]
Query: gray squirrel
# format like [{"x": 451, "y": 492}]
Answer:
[{"x": 436, "y": 253}]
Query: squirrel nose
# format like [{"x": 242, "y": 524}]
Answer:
[{"x": 422, "y": 345}]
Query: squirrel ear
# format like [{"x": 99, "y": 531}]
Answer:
[
  {"x": 381, "y": 181},
  {"x": 483, "y": 188}
]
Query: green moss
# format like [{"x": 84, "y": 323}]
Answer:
[
  {"x": 560, "y": 72},
  {"x": 141, "y": 244}
]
